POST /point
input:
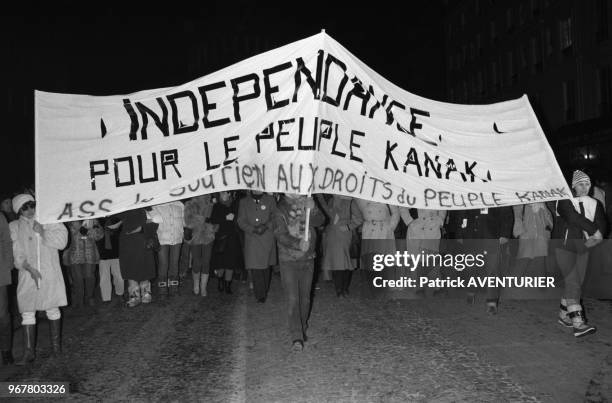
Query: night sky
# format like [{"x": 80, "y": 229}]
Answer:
[{"x": 114, "y": 50}]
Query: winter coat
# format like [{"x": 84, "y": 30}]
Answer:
[
  {"x": 259, "y": 249},
  {"x": 6, "y": 253},
  {"x": 533, "y": 230},
  {"x": 83, "y": 248},
  {"x": 424, "y": 231},
  {"x": 344, "y": 216},
  {"x": 573, "y": 226},
  {"x": 197, "y": 215},
  {"x": 52, "y": 291}
]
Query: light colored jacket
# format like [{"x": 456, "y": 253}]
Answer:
[
  {"x": 532, "y": 225},
  {"x": 52, "y": 291},
  {"x": 170, "y": 230},
  {"x": 423, "y": 232},
  {"x": 379, "y": 219}
]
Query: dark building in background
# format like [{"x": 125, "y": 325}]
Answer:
[{"x": 558, "y": 52}]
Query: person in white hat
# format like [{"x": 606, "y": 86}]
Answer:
[
  {"x": 41, "y": 283},
  {"x": 579, "y": 225}
]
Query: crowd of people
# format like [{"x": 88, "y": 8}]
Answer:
[{"x": 250, "y": 235}]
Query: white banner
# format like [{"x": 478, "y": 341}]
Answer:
[{"x": 305, "y": 118}]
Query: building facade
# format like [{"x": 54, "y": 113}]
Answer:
[{"x": 558, "y": 52}]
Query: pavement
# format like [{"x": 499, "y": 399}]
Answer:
[{"x": 228, "y": 348}]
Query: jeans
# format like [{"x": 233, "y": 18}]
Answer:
[
  {"x": 573, "y": 268},
  {"x": 108, "y": 266},
  {"x": 261, "y": 282},
  {"x": 296, "y": 278},
  {"x": 6, "y": 330},
  {"x": 82, "y": 273},
  {"x": 168, "y": 260}
]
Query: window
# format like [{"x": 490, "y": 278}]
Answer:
[
  {"x": 604, "y": 90},
  {"x": 601, "y": 31},
  {"x": 548, "y": 42},
  {"x": 569, "y": 100},
  {"x": 565, "y": 34}
]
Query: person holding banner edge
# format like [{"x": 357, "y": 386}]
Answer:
[
  {"x": 579, "y": 225},
  {"x": 41, "y": 284}
]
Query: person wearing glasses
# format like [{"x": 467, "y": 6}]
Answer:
[{"x": 41, "y": 283}]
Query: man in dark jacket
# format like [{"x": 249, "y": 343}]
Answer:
[
  {"x": 296, "y": 258},
  {"x": 579, "y": 225},
  {"x": 6, "y": 265},
  {"x": 484, "y": 231}
]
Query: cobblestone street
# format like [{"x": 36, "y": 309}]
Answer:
[{"x": 228, "y": 348}]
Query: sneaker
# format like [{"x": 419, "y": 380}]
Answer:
[
  {"x": 583, "y": 330},
  {"x": 298, "y": 345},
  {"x": 147, "y": 298}
]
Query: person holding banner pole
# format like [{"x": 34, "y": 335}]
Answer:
[
  {"x": 41, "y": 284},
  {"x": 294, "y": 229}
]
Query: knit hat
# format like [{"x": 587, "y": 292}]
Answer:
[
  {"x": 20, "y": 200},
  {"x": 580, "y": 177}
]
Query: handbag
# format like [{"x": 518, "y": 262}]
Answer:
[{"x": 355, "y": 246}]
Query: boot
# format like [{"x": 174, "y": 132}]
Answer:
[
  {"x": 29, "y": 345},
  {"x": 220, "y": 283},
  {"x": 564, "y": 319},
  {"x": 134, "y": 299},
  {"x": 203, "y": 284},
  {"x": 196, "y": 283},
  {"x": 578, "y": 323},
  {"x": 162, "y": 287},
  {"x": 145, "y": 293},
  {"x": 228, "y": 286},
  {"x": 7, "y": 358},
  {"x": 173, "y": 286},
  {"x": 55, "y": 328}
]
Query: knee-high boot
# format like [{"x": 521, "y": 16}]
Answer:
[
  {"x": 55, "y": 329},
  {"x": 29, "y": 343}
]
